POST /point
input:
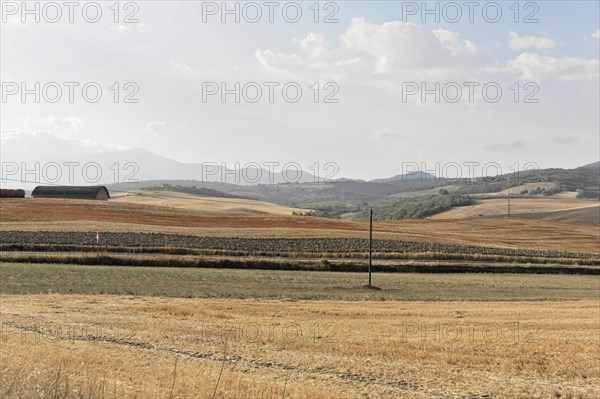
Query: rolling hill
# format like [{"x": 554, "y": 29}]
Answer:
[
  {"x": 341, "y": 198},
  {"x": 185, "y": 201},
  {"x": 541, "y": 192},
  {"x": 535, "y": 208}
]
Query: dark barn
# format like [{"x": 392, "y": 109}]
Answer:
[
  {"x": 71, "y": 192},
  {"x": 9, "y": 193}
]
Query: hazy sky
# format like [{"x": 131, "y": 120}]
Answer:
[{"x": 373, "y": 61}]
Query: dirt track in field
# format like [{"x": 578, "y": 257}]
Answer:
[{"x": 79, "y": 215}]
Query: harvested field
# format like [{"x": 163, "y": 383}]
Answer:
[
  {"x": 318, "y": 254},
  {"x": 201, "y": 203},
  {"x": 581, "y": 215},
  {"x": 264, "y": 245},
  {"x": 498, "y": 207},
  {"x": 77, "y": 216},
  {"x": 224, "y": 333},
  {"x": 141, "y": 347}
]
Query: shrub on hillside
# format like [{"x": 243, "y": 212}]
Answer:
[{"x": 417, "y": 207}]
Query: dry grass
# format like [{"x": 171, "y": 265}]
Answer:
[
  {"x": 115, "y": 347},
  {"x": 204, "y": 204},
  {"x": 566, "y": 194},
  {"x": 22, "y": 278},
  {"x": 498, "y": 207},
  {"x": 522, "y": 187},
  {"x": 72, "y": 215}
]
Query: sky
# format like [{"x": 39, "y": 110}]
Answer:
[{"x": 369, "y": 86}]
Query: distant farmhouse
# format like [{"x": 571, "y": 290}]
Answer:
[
  {"x": 71, "y": 192},
  {"x": 8, "y": 193}
]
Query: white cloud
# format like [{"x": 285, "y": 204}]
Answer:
[
  {"x": 369, "y": 67},
  {"x": 71, "y": 123},
  {"x": 453, "y": 43},
  {"x": 313, "y": 45},
  {"x": 596, "y": 34},
  {"x": 278, "y": 62},
  {"x": 155, "y": 127},
  {"x": 53, "y": 124},
  {"x": 383, "y": 134},
  {"x": 392, "y": 44},
  {"x": 181, "y": 67},
  {"x": 127, "y": 28},
  {"x": 518, "y": 42},
  {"x": 533, "y": 66},
  {"x": 370, "y": 50}
]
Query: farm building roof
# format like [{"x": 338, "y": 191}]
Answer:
[{"x": 71, "y": 191}]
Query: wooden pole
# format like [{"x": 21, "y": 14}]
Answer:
[
  {"x": 509, "y": 200},
  {"x": 370, "y": 243}
]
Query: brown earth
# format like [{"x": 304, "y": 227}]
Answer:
[{"x": 80, "y": 215}]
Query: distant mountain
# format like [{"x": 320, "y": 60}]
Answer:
[
  {"x": 150, "y": 166},
  {"x": 130, "y": 166},
  {"x": 125, "y": 170}
]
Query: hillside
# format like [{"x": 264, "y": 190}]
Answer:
[
  {"x": 584, "y": 180},
  {"x": 348, "y": 198},
  {"x": 416, "y": 207},
  {"x": 193, "y": 190},
  {"x": 535, "y": 208},
  {"x": 170, "y": 199},
  {"x": 581, "y": 215}
]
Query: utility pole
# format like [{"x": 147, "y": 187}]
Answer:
[
  {"x": 509, "y": 199},
  {"x": 370, "y": 243}
]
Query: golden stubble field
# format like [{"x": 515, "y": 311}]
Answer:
[
  {"x": 202, "y": 203},
  {"x": 153, "y": 347},
  {"x": 498, "y": 207}
]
